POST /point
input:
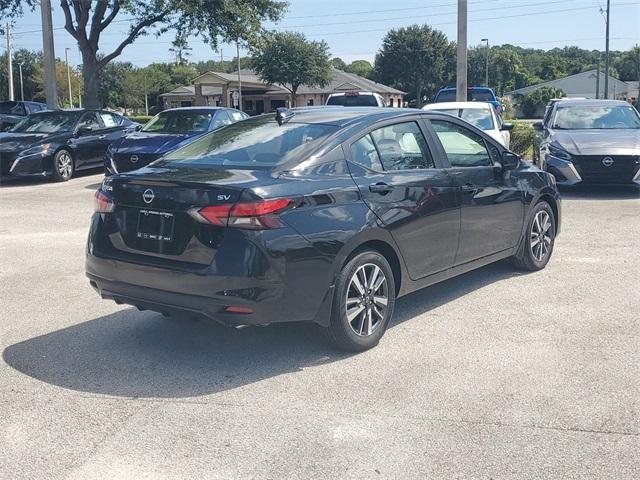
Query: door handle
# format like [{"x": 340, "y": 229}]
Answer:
[
  {"x": 101, "y": 137},
  {"x": 469, "y": 188},
  {"x": 381, "y": 188}
]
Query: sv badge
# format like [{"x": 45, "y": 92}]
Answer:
[{"x": 224, "y": 198}]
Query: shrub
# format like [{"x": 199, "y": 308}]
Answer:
[
  {"x": 533, "y": 103},
  {"x": 140, "y": 118},
  {"x": 522, "y": 139}
]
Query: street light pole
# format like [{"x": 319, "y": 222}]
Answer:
[
  {"x": 48, "y": 56},
  {"x": 486, "y": 72},
  {"x": 461, "y": 70},
  {"x": 9, "y": 61},
  {"x": 239, "y": 79},
  {"x": 21, "y": 82},
  {"x": 606, "y": 57},
  {"x": 66, "y": 59}
]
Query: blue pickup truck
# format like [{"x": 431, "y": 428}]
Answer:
[{"x": 474, "y": 94}]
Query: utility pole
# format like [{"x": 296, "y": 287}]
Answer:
[
  {"x": 486, "y": 71},
  {"x": 598, "y": 76},
  {"x": 21, "y": 82},
  {"x": 606, "y": 57},
  {"x": 239, "y": 79},
  {"x": 461, "y": 71},
  {"x": 48, "y": 56},
  {"x": 9, "y": 61},
  {"x": 66, "y": 59}
]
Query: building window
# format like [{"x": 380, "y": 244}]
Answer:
[
  {"x": 310, "y": 102},
  {"x": 391, "y": 102},
  {"x": 248, "y": 105}
]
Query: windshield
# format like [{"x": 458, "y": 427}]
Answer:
[
  {"x": 179, "y": 122},
  {"x": 479, "y": 117},
  {"x": 472, "y": 96},
  {"x": 256, "y": 142},
  {"x": 12, "y": 108},
  {"x": 353, "y": 100},
  {"x": 49, "y": 122},
  {"x": 596, "y": 117}
]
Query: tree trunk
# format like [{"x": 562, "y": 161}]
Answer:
[
  {"x": 418, "y": 96},
  {"x": 91, "y": 77},
  {"x": 294, "y": 92}
]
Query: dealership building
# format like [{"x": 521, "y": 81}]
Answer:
[{"x": 217, "y": 89}]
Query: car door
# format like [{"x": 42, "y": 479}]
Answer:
[
  {"x": 492, "y": 203},
  {"x": 410, "y": 193},
  {"x": 112, "y": 129},
  {"x": 85, "y": 140}
]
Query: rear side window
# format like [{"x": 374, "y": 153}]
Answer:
[
  {"x": 402, "y": 147},
  {"x": 12, "y": 108},
  {"x": 255, "y": 142},
  {"x": 110, "y": 120},
  {"x": 353, "y": 100},
  {"x": 463, "y": 147}
]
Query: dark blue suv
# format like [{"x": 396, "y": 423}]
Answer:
[{"x": 474, "y": 94}]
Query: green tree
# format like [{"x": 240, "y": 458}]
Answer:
[
  {"x": 31, "y": 65},
  {"x": 360, "y": 67},
  {"x": 212, "y": 20},
  {"x": 180, "y": 48},
  {"x": 628, "y": 65},
  {"x": 291, "y": 60},
  {"x": 416, "y": 59},
  {"x": 338, "y": 63},
  {"x": 533, "y": 102}
]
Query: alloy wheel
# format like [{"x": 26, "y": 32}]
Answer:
[
  {"x": 64, "y": 164},
  {"x": 367, "y": 299},
  {"x": 541, "y": 235}
]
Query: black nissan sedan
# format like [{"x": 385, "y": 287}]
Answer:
[
  {"x": 58, "y": 143},
  {"x": 591, "y": 142},
  {"x": 323, "y": 214}
]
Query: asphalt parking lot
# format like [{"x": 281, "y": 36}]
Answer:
[{"x": 495, "y": 374}]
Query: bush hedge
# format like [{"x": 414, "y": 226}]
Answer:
[
  {"x": 140, "y": 118},
  {"x": 523, "y": 137}
]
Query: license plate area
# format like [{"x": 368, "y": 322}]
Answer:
[{"x": 155, "y": 225}]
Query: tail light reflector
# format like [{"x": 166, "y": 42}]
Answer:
[
  {"x": 260, "y": 215},
  {"x": 103, "y": 203}
]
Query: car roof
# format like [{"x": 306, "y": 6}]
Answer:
[
  {"x": 445, "y": 105},
  {"x": 589, "y": 102},
  {"x": 453, "y": 89},
  {"x": 192, "y": 109},
  {"x": 344, "y": 116},
  {"x": 359, "y": 92}
]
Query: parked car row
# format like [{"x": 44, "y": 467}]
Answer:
[{"x": 58, "y": 143}]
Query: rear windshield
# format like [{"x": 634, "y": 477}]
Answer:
[
  {"x": 353, "y": 100},
  {"x": 12, "y": 108},
  {"x": 472, "y": 96},
  {"x": 252, "y": 143},
  {"x": 479, "y": 117}
]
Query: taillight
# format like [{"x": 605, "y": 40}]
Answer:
[
  {"x": 103, "y": 203},
  {"x": 260, "y": 215}
]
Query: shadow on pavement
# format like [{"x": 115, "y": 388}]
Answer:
[
  {"x": 6, "y": 182},
  {"x": 135, "y": 354},
  {"x": 601, "y": 192}
]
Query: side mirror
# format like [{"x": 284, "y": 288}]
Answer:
[
  {"x": 538, "y": 126},
  {"x": 507, "y": 127},
  {"x": 510, "y": 161},
  {"x": 83, "y": 131}
]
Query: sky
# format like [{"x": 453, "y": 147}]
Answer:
[{"x": 354, "y": 30}]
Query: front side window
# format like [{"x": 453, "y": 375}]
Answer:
[
  {"x": 402, "y": 147},
  {"x": 109, "y": 119},
  {"x": 463, "y": 147},
  {"x": 12, "y": 108},
  {"x": 252, "y": 143},
  {"x": 221, "y": 119},
  {"x": 89, "y": 121}
]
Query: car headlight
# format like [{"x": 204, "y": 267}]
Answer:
[
  {"x": 43, "y": 149},
  {"x": 559, "y": 153}
]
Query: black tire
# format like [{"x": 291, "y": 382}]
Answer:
[
  {"x": 532, "y": 255},
  {"x": 341, "y": 332},
  {"x": 63, "y": 165}
]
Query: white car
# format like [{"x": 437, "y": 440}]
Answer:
[
  {"x": 356, "y": 99},
  {"x": 480, "y": 114}
]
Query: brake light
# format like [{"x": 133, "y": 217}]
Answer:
[
  {"x": 103, "y": 203},
  {"x": 260, "y": 215}
]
